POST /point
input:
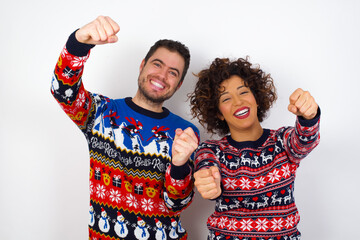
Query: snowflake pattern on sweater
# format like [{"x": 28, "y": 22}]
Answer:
[
  {"x": 135, "y": 192},
  {"x": 257, "y": 178}
]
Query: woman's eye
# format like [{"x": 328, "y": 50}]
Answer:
[{"x": 244, "y": 92}]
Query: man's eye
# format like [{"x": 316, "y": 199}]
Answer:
[
  {"x": 157, "y": 64},
  {"x": 174, "y": 74}
]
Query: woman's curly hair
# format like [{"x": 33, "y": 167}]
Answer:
[{"x": 205, "y": 98}]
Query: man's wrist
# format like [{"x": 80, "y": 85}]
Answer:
[
  {"x": 179, "y": 172},
  {"x": 77, "y": 48}
]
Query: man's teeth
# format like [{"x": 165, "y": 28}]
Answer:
[
  {"x": 242, "y": 112},
  {"x": 157, "y": 84}
]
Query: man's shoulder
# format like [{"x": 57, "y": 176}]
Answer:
[{"x": 181, "y": 121}]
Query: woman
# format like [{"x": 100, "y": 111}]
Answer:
[{"x": 250, "y": 172}]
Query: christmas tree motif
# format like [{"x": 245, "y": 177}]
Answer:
[
  {"x": 161, "y": 137},
  {"x": 136, "y": 147},
  {"x": 165, "y": 150},
  {"x": 165, "y": 147}
]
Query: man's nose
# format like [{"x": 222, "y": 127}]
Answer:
[{"x": 162, "y": 73}]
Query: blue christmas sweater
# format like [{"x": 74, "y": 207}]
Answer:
[
  {"x": 257, "y": 180},
  {"x": 135, "y": 191}
]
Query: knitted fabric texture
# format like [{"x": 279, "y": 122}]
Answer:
[
  {"x": 135, "y": 191},
  {"x": 257, "y": 178}
]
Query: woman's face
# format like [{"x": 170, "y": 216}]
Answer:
[{"x": 238, "y": 106}]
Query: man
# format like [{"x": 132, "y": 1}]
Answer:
[{"x": 139, "y": 151}]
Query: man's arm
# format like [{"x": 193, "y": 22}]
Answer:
[
  {"x": 178, "y": 191},
  {"x": 67, "y": 87}
]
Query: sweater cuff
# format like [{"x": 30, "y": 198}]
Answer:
[
  {"x": 77, "y": 48},
  {"x": 179, "y": 172},
  {"x": 310, "y": 122}
]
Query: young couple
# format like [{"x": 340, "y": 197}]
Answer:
[{"x": 142, "y": 166}]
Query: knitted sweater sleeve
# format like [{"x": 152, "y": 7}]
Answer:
[
  {"x": 67, "y": 87},
  {"x": 302, "y": 139},
  {"x": 179, "y": 185},
  {"x": 207, "y": 155}
]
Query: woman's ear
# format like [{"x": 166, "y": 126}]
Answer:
[{"x": 220, "y": 116}]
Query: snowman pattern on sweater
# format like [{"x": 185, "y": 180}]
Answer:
[
  {"x": 120, "y": 227},
  {"x": 141, "y": 230},
  {"x": 130, "y": 154},
  {"x": 104, "y": 224}
]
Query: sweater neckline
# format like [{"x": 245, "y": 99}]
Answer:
[
  {"x": 250, "y": 144},
  {"x": 146, "y": 112}
]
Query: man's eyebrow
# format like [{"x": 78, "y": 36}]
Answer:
[{"x": 158, "y": 60}]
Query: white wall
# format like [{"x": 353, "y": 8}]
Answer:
[{"x": 44, "y": 160}]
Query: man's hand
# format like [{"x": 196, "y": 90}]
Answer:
[
  {"x": 207, "y": 182},
  {"x": 100, "y": 31},
  {"x": 303, "y": 104},
  {"x": 185, "y": 143}
]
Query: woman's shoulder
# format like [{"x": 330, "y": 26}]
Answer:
[{"x": 211, "y": 143}]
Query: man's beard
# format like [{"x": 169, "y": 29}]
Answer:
[{"x": 152, "y": 99}]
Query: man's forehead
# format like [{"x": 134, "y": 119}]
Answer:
[{"x": 170, "y": 58}]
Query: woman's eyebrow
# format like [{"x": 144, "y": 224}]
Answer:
[
  {"x": 239, "y": 87},
  {"x": 223, "y": 93}
]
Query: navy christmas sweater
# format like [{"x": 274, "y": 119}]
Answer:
[
  {"x": 135, "y": 191},
  {"x": 257, "y": 180}
]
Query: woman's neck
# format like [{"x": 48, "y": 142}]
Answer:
[{"x": 251, "y": 134}]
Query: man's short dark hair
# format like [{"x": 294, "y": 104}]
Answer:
[{"x": 173, "y": 46}]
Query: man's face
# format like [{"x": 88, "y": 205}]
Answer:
[{"x": 159, "y": 78}]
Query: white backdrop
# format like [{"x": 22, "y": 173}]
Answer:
[{"x": 44, "y": 160}]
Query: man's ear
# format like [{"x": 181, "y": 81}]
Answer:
[
  {"x": 179, "y": 85},
  {"x": 142, "y": 65}
]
